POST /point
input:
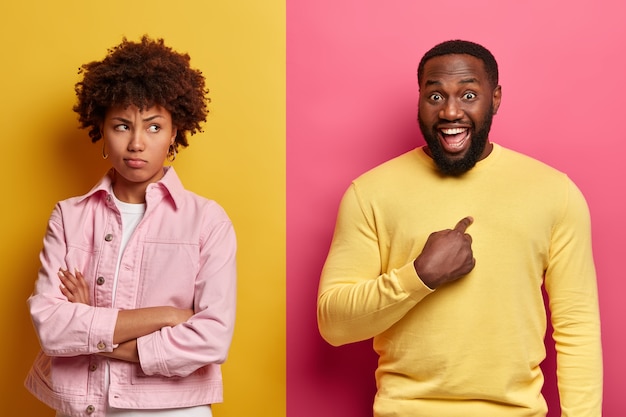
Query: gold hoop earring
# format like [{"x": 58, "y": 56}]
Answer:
[
  {"x": 105, "y": 155},
  {"x": 171, "y": 153}
]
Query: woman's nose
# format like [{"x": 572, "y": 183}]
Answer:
[{"x": 136, "y": 142}]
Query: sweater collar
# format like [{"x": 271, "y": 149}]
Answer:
[{"x": 480, "y": 165}]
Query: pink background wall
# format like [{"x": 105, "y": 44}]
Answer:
[{"x": 351, "y": 104}]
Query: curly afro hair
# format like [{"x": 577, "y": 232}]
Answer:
[{"x": 144, "y": 74}]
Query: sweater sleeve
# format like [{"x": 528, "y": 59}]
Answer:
[
  {"x": 356, "y": 299},
  {"x": 65, "y": 328},
  {"x": 571, "y": 286}
]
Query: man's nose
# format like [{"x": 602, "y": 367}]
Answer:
[{"x": 451, "y": 111}]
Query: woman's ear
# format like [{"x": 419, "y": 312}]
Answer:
[{"x": 174, "y": 133}]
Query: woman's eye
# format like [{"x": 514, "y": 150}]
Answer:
[
  {"x": 154, "y": 128},
  {"x": 121, "y": 128}
]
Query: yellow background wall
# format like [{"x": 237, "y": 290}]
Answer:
[{"x": 239, "y": 161}]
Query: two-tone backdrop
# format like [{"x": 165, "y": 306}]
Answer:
[{"x": 305, "y": 97}]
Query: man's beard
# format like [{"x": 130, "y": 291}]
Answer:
[{"x": 456, "y": 167}]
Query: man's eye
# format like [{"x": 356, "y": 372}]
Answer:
[
  {"x": 469, "y": 96},
  {"x": 435, "y": 97}
]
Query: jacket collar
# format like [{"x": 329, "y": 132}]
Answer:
[{"x": 169, "y": 185}]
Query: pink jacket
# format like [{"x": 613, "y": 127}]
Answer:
[{"x": 182, "y": 254}]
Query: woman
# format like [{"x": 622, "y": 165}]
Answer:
[{"x": 134, "y": 305}]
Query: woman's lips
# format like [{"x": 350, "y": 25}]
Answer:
[{"x": 135, "y": 163}]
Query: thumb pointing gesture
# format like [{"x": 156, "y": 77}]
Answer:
[{"x": 447, "y": 255}]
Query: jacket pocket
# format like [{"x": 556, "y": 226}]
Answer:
[
  {"x": 168, "y": 274},
  {"x": 63, "y": 375},
  {"x": 204, "y": 374}
]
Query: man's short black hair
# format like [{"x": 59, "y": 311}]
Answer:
[{"x": 454, "y": 47}]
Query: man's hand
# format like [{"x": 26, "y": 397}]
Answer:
[
  {"x": 446, "y": 256},
  {"x": 74, "y": 286}
]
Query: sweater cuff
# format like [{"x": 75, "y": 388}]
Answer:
[{"x": 412, "y": 283}]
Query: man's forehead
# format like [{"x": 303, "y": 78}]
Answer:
[{"x": 461, "y": 68}]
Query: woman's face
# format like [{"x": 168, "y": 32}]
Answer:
[{"x": 137, "y": 142}]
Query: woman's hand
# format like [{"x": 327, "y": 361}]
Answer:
[
  {"x": 74, "y": 286},
  {"x": 130, "y": 324}
]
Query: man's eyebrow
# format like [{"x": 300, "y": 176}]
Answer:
[
  {"x": 432, "y": 82},
  {"x": 463, "y": 81}
]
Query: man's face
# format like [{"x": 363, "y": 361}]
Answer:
[{"x": 456, "y": 106}]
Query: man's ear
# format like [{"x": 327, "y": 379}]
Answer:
[{"x": 497, "y": 97}]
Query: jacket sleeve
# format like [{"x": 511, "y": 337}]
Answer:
[
  {"x": 205, "y": 338},
  {"x": 65, "y": 328},
  {"x": 357, "y": 300},
  {"x": 572, "y": 290}
]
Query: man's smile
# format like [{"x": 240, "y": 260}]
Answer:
[{"x": 454, "y": 139}]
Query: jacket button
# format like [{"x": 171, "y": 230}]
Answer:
[
  {"x": 101, "y": 345},
  {"x": 90, "y": 409},
  {"x": 93, "y": 367},
  {"x": 108, "y": 237},
  {"x": 100, "y": 280}
]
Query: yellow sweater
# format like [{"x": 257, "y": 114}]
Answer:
[{"x": 472, "y": 347}]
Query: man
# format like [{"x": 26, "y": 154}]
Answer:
[{"x": 440, "y": 255}]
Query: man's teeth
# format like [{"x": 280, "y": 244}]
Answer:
[{"x": 454, "y": 131}]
